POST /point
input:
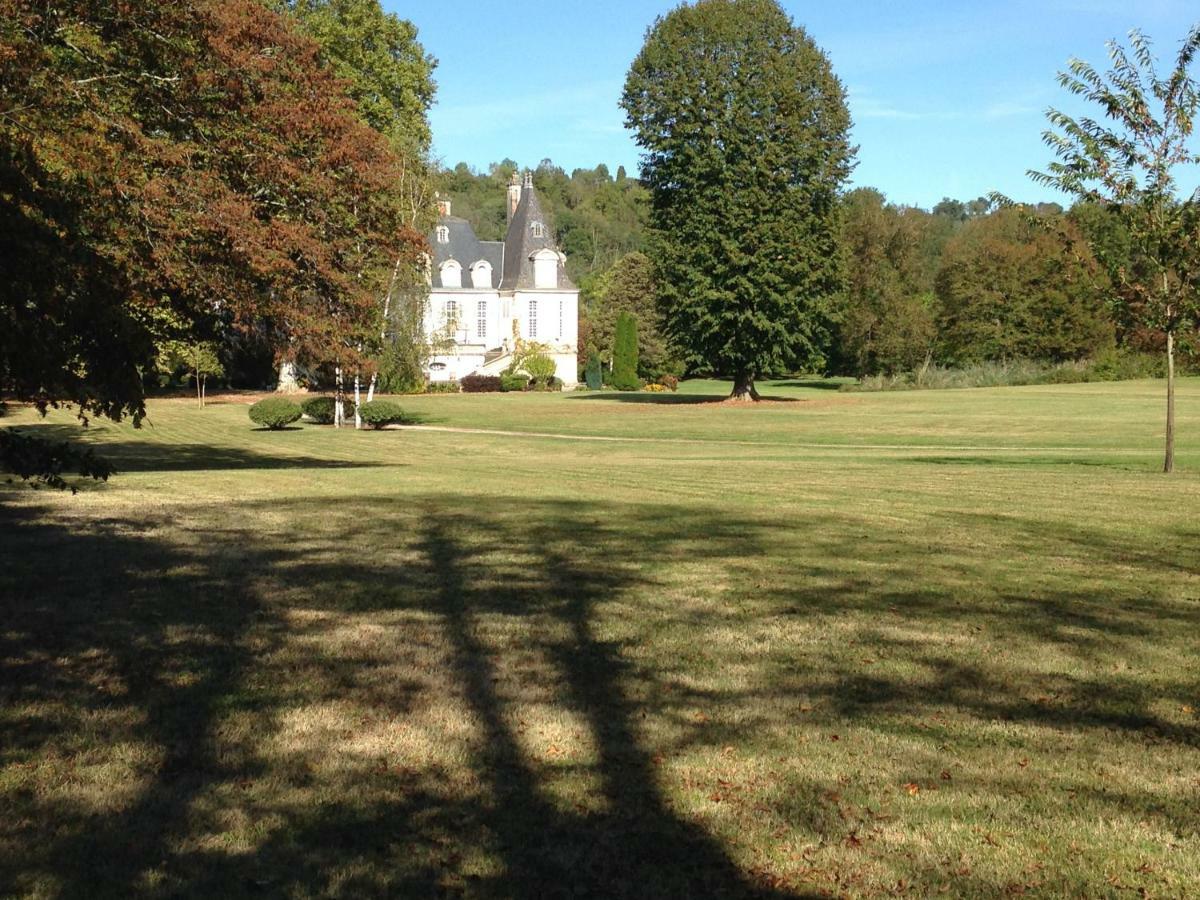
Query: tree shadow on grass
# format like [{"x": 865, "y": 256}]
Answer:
[
  {"x": 665, "y": 398},
  {"x": 150, "y": 456},
  {"x": 343, "y": 712},
  {"x": 814, "y": 384}
]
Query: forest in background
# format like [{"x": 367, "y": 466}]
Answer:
[{"x": 961, "y": 284}]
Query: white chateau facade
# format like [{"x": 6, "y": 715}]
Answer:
[{"x": 485, "y": 294}]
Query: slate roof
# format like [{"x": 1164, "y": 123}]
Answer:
[
  {"x": 520, "y": 244},
  {"x": 512, "y": 268},
  {"x": 466, "y": 249}
]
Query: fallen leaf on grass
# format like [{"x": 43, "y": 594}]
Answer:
[{"x": 912, "y": 788}]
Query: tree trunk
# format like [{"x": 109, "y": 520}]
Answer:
[
  {"x": 339, "y": 399},
  {"x": 1169, "y": 464},
  {"x": 371, "y": 386},
  {"x": 357, "y": 401},
  {"x": 743, "y": 389},
  {"x": 203, "y": 390},
  {"x": 199, "y": 397}
]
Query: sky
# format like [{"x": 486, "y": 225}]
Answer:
[{"x": 947, "y": 98}]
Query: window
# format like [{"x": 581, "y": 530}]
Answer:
[
  {"x": 451, "y": 312},
  {"x": 481, "y": 274},
  {"x": 481, "y": 320},
  {"x": 443, "y": 234},
  {"x": 451, "y": 273},
  {"x": 539, "y": 230},
  {"x": 437, "y": 367},
  {"x": 560, "y": 319},
  {"x": 532, "y": 319}
]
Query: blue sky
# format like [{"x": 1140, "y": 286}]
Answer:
[{"x": 947, "y": 97}]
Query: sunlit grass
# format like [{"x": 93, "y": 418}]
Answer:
[{"x": 869, "y": 645}]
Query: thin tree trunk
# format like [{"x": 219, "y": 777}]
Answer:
[
  {"x": 1169, "y": 464},
  {"x": 357, "y": 401},
  {"x": 199, "y": 398},
  {"x": 371, "y": 386},
  {"x": 339, "y": 399},
  {"x": 203, "y": 390},
  {"x": 743, "y": 389}
]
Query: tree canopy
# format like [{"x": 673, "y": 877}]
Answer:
[
  {"x": 1129, "y": 163},
  {"x": 185, "y": 162},
  {"x": 744, "y": 129}
]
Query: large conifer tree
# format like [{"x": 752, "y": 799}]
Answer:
[{"x": 745, "y": 133}]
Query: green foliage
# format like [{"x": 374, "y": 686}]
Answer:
[
  {"x": 593, "y": 375},
  {"x": 1109, "y": 365},
  {"x": 274, "y": 413},
  {"x": 322, "y": 410},
  {"x": 198, "y": 359},
  {"x": 376, "y": 53},
  {"x": 625, "y": 354},
  {"x": 443, "y": 387},
  {"x": 514, "y": 382},
  {"x": 628, "y": 286},
  {"x": 546, "y": 385},
  {"x": 43, "y": 462},
  {"x": 540, "y": 368},
  {"x": 1128, "y": 161},
  {"x": 746, "y": 137},
  {"x": 401, "y": 364},
  {"x": 529, "y": 353},
  {"x": 1015, "y": 285},
  {"x": 378, "y": 413},
  {"x": 886, "y": 323},
  {"x": 480, "y": 384}
]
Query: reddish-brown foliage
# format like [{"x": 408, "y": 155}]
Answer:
[{"x": 178, "y": 161}]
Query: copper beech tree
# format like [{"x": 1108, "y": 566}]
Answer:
[{"x": 181, "y": 161}]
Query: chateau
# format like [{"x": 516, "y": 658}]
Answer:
[{"x": 484, "y": 295}]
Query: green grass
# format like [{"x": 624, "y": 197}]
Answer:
[{"x": 863, "y": 645}]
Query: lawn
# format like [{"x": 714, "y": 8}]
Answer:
[{"x": 835, "y": 645}]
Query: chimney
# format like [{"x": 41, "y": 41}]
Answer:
[
  {"x": 443, "y": 206},
  {"x": 514, "y": 196}
]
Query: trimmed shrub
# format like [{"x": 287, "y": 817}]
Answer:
[
  {"x": 625, "y": 354},
  {"x": 442, "y": 387},
  {"x": 274, "y": 413},
  {"x": 670, "y": 382},
  {"x": 480, "y": 384},
  {"x": 594, "y": 375},
  {"x": 514, "y": 382},
  {"x": 377, "y": 413},
  {"x": 320, "y": 409},
  {"x": 655, "y": 388}
]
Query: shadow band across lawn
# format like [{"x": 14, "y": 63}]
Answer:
[
  {"x": 118, "y": 623},
  {"x": 220, "y": 651}
]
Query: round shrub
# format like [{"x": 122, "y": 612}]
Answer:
[
  {"x": 274, "y": 413},
  {"x": 320, "y": 409},
  {"x": 378, "y": 413}
]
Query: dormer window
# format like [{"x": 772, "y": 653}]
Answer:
[
  {"x": 539, "y": 230},
  {"x": 451, "y": 273},
  {"x": 481, "y": 274},
  {"x": 443, "y": 234},
  {"x": 545, "y": 268}
]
